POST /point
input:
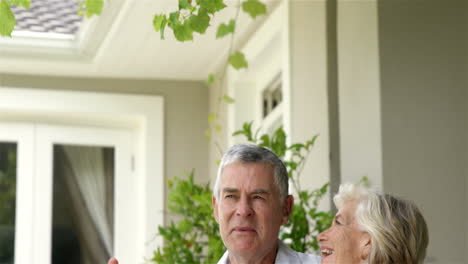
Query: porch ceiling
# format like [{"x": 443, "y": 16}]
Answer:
[{"x": 121, "y": 43}]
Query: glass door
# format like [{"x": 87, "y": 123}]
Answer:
[
  {"x": 66, "y": 194},
  {"x": 82, "y": 204},
  {"x": 84, "y": 173}
]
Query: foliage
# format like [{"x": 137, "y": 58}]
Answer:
[
  {"x": 8, "y": 21},
  {"x": 238, "y": 61},
  {"x": 254, "y": 8},
  {"x": 195, "y": 238},
  {"x": 194, "y": 16}
]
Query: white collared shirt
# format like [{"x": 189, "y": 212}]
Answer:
[{"x": 285, "y": 255}]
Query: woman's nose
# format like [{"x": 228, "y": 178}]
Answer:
[{"x": 323, "y": 235}]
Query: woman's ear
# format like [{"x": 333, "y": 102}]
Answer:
[{"x": 366, "y": 245}]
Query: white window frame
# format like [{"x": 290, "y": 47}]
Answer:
[
  {"x": 267, "y": 54},
  {"x": 23, "y": 137},
  {"x": 141, "y": 114}
]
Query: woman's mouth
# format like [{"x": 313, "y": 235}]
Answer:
[{"x": 326, "y": 252}]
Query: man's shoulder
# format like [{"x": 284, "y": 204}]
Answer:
[{"x": 286, "y": 255}]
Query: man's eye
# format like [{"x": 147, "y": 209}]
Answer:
[
  {"x": 229, "y": 196},
  {"x": 258, "y": 197}
]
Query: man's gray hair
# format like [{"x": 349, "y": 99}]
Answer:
[
  {"x": 251, "y": 153},
  {"x": 397, "y": 228}
]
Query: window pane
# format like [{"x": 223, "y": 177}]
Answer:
[
  {"x": 8, "y": 156},
  {"x": 83, "y": 204}
]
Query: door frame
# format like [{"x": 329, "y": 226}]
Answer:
[{"x": 143, "y": 114}]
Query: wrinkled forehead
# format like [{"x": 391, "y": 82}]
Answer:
[{"x": 244, "y": 175}]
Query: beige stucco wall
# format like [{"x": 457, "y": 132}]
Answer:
[
  {"x": 359, "y": 91},
  {"x": 307, "y": 107},
  {"x": 185, "y": 113},
  {"x": 423, "y": 49}
]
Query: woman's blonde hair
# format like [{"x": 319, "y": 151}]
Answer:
[{"x": 397, "y": 228}]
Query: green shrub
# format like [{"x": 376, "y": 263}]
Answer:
[{"x": 195, "y": 238}]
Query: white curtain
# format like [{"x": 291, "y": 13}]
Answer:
[{"x": 88, "y": 166}]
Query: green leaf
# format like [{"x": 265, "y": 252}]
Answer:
[
  {"x": 265, "y": 141},
  {"x": 211, "y": 118},
  {"x": 183, "y": 32},
  {"x": 211, "y": 6},
  {"x": 297, "y": 147},
  {"x": 23, "y": 3},
  {"x": 159, "y": 24},
  {"x": 254, "y": 8},
  {"x": 173, "y": 19},
  {"x": 238, "y": 61},
  {"x": 218, "y": 128},
  {"x": 7, "y": 19},
  {"x": 183, "y": 4},
  {"x": 200, "y": 22},
  {"x": 211, "y": 79},
  {"x": 311, "y": 142},
  {"x": 224, "y": 29},
  {"x": 208, "y": 133},
  {"x": 94, "y": 7},
  {"x": 228, "y": 99}
]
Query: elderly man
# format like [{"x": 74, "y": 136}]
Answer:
[{"x": 251, "y": 203}]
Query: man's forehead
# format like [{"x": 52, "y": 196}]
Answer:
[{"x": 244, "y": 181}]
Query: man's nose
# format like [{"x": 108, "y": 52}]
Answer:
[{"x": 244, "y": 208}]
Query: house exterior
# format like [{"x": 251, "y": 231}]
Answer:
[{"x": 383, "y": 83}]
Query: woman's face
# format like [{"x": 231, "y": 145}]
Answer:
[{"x": 344, "y": 242}]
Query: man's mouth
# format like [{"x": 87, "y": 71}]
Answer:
[
  {"x": 244, "y": 229},
  {"x": 326, "y": 252}
]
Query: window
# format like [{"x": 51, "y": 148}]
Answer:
[
  {"x": 8, "y": 152},
  {"x": 272, "y": 96}
]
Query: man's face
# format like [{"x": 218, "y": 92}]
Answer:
[{"x": 249, "y": 210}]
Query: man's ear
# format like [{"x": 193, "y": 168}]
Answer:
[
  {"x": 215, "y": 208},
  {"x": 366, "y": 246},
  {"x": 287, "y": 208}
]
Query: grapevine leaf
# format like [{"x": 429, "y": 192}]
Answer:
[
  {"x": 211, "y": 79},
  {"x": 183, "y": 32},
  {"x": 23, "y": 3},
  {"x": 254, "y": 8},
  {"x": 173, "y": 19},
  {"x": 200, "y": 22},
  {"x": 159, "y": 23},
  {"x": 183, "y": 4},
  {"x": 211, "y": 118},
  {"x": 208, "y": 133},
  {"x": 94, "y": 7},
  {"x": 238, "y": 61},
  {"x": 7, "y": 19},
  {"x": 211, "y": 6},
  {"x": 228, "y": 99},
  {"x": 224, "y": 29}
]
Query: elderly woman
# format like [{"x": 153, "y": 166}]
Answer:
[{"x": 372, "y": 227}]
